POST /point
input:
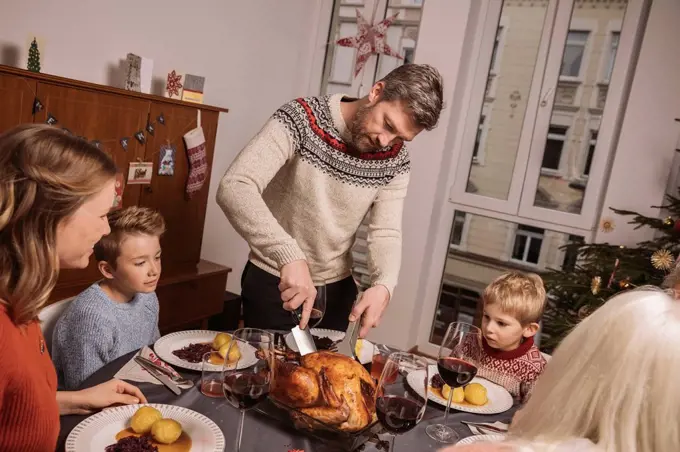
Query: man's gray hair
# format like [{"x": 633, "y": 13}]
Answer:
[{"x": 420, "y": 87}]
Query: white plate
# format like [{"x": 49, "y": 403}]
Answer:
[
  {"x": 171, "y": 342},
  {"x": 365, "y": 352},
  {"x": 100, "y": 430},
  {"x": 480, "y": 438},
  {"x": 500, "y": 399}
]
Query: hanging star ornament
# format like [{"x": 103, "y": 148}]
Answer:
[{"x": 369, "y": 40}]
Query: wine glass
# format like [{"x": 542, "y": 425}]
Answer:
[
  {"x": 245, "y": 387},
  {"x": 400, "y": 409},
  {"x": 457, "y": 368},
  {"x": 318, "y": 309}
]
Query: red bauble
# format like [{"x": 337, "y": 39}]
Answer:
[{"x": 676, "y": 227}]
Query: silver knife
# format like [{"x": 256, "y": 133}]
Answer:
[
  {"x": 160, "y": 376},
  {"x": 348, "y": 344},
  {"x": 303, "y": 337},
  {"x": 177, "y": 379}
]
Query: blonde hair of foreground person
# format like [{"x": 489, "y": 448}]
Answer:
[{"x": 612, "y": 380}]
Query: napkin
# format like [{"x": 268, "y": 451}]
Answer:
[
  {"x": 134, "y": 372},
  {"x": 479, "y": 428}
]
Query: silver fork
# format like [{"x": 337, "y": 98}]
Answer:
[
  {"x": 349, "y": 342},
  {"x": 486, "y": 426}
]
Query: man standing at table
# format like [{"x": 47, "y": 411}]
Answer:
[{"x": 298, "y": 192}]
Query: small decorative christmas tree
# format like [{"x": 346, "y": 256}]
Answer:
[
  {"x": 602, "y": 270},
  {"x": 34, "y": 57}
]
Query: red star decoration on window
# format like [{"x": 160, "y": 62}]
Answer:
[{"x": 369, "y": 40}]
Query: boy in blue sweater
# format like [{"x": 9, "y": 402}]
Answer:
[{"x": 118, "y": 314}]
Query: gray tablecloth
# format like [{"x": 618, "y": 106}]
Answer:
[{"x": 264, "y": 434}]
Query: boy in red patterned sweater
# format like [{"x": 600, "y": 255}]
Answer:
[{"x": 513, "y": 305}]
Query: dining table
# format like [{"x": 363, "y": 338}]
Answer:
[{"x": 263, "y": 433}]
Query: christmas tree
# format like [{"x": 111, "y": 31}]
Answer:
[
  {"x": 599, "y": 271},
  {"x": 34, "y": 57}
]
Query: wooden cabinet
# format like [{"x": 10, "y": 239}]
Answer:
[
  {"x": 182, "y": 244},
  {"x": 190, "y": 290},
  {"x": 16, "y": 100}
]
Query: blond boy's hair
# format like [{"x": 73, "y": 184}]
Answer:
[
  {"x": 131, "y": 220},
  {"x": 521, "y": 295}
]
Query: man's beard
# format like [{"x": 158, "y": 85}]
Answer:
[{"x": 359, "y": 139}]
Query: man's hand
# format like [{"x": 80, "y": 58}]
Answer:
[
  {"x": 370, "y": 308},
  {"x": 297, "y": 288}
]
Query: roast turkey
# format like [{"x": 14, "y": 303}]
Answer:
[{"x": 329, "y": 387}]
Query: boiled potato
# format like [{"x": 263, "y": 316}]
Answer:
[
  {"x": 144, "y": 418},
  {"x": 476, "y": 394},
  {"x": 166, "y": 431},
  {"x": 458, "y": 394},
  {"x": 234, "y": 352},
  {"x": 220, "y": 340}
]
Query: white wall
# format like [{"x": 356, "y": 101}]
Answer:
[
  {"x": 649, "y": 134},
  {"x": 255, "y": 55}
]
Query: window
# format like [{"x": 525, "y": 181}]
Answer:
[
  {"x": 573, "y": 53},
  {"x": 402, "y": 36},
  {"x": 478, "y": 139},
  {"x": 613, "y": 47},
  {"x": 458, "y": 228},
  {"x": 591, "y": 152},
  {"x": 409, "y": 54},
  {"x": 554, "y": 146},
  {"x": 456, "y": 304},
  {"x": 534, "y": 97},
  {"x": 527, "y": 246},
  {"x": 338, "y": 75}
]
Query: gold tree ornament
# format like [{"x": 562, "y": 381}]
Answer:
[
  {"x": 624, "y": 283},
  {"x": 595, "y": 285},
  {"x": 662, "y": 260},
  {"x": 668, "y": 221},
  {"x": 607, "y": 225}
]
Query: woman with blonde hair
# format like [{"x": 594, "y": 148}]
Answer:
[
  {"x": 55, "y": 192},
  {"x": 611, "y": 385}
]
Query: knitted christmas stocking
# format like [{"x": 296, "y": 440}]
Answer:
[{"x": 198, "y": 163}]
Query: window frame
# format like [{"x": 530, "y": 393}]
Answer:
[
  {"x": 584, "y": 56},
  {"x": 527, "y": 168},
  {"x": 513, "y": 233},
  {"x": 561, "y": 161}
]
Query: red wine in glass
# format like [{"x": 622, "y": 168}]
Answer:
[
  {"x": 244, "y": 390},
  {"x": 398, "y": 414},
  {"x": 456, "y": 372},
  {"x": 457, "y": 367}
]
